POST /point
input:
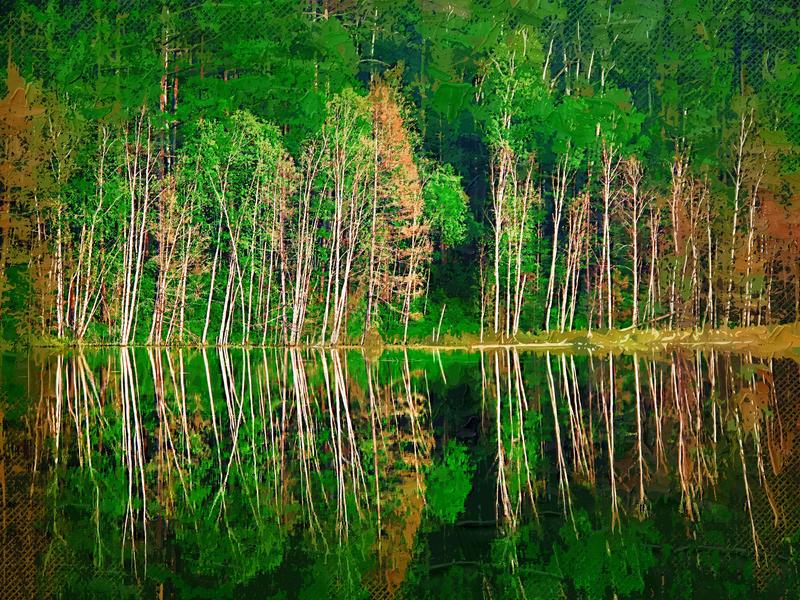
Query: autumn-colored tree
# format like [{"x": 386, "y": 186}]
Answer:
[
  {"x": 20, "y": 162},
  {"x": 397, "y": 269}
]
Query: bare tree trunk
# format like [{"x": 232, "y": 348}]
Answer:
[
  {"x": 139, "y": 187},
  {"x": 652, "y": 295},
  {"x": 270, "y": 268},
  {"x": 745, "y": 125},
  {"x": 560, "y": 179},
  {"x": 609, "y": 174},
  {"x": 211, "y": 285},
  {"x": 750, "y": 234},
  {"x": 711, "y": 299},
  {"x": 679, "y": 178},
  {"x": 371, "y": 281},
  {"x": 59, "y": 266},
  {"x": 500, "y": 168},
  {"x": 633, "y": 174},
  {"x": 180, "y": 307},
  {"x": 304, "y": 253}
]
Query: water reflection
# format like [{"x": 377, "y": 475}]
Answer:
[{"x": 324, "y": 474}]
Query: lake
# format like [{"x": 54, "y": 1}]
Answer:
[{"x": 267, "y": 473}]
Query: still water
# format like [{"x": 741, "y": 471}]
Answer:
[{"x": 316, "y": 474}]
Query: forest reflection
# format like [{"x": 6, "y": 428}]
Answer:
[{"x": 337, "y": 473}]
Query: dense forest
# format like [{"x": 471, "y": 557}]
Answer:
[{"x": 341, "y": 172}]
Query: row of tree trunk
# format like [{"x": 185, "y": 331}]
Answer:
[{"x": 633, "y": 255}]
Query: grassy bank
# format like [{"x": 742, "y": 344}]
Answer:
[{"x": 776, "y": 340}]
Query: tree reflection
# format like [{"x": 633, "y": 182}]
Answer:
[{"x": 344, "y": 474}]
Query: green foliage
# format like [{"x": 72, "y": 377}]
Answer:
[
  {"x": 446, "y": 205},
  {"x": 598, "y": 561},
  {"x": 517, "y": 103},
  {"x": 449, "y": 483}
]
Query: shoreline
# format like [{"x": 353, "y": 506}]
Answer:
[{"x": 760, "y": 340}]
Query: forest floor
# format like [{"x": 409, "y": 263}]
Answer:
[{"x": 774, "y": 340}]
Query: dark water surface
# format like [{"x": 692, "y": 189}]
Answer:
[{"x": 310, "y": 474}]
